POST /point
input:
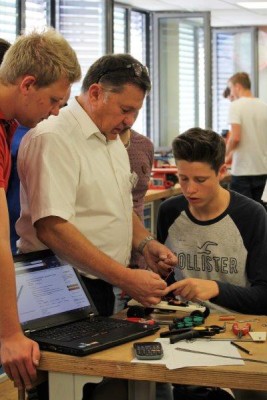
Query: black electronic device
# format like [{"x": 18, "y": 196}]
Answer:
[{"x": 148, "y": 350}]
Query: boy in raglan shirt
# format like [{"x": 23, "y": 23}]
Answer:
[{"x": 219, "y": 236}]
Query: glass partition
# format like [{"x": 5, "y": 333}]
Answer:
[{"x": 181, "y": 74}]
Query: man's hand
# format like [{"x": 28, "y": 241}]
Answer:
[
  {"x": 144, "y": 286},
  {"x": 195, "y": 289},
  {"x": 159, "y": 258},
  {"x": 20, "y": 356}
]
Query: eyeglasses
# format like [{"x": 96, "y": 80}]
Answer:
[{"x": 137, "y": 68}]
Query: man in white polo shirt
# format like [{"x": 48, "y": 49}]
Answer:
[{"x": 76, "y": 187}]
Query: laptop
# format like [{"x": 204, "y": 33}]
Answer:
[{"x": 56, "y": 310}]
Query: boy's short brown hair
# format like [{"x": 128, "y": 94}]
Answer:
[{"x": 200, "y": 145}]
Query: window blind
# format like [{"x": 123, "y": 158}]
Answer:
[
  {"x": 82, "y": 23},
  {"x": 8, "y": 13},
  {"x": 138, "y": 45},
  {"x": 119, "y": 23},
  {"x": 186, "y": 71},
  {"x": 130, "y": 36},
  {"x": 36, "y": 14}
]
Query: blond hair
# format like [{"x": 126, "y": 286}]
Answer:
[{"x": 47, "y": 56}]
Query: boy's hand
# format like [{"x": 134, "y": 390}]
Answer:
[{"x": 195, "y": 289}]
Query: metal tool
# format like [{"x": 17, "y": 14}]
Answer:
[
  {"x": 219, "y": 355},
  {"x": 218, "y": 328},
  {"x": 248, "y": 320},
  {"x": 227, "y": 339}
]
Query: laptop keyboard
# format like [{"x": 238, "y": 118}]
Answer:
[{"x": 79, "y": 329}]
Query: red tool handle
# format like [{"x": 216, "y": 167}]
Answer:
[{"x": 241, "y": 331}]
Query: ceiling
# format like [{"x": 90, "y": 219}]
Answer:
[{"x": 223, "y": 12}]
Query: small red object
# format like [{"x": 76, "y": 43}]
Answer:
[
  {"x": 163, "y": 178},
  {"x": 133, "y": 319},
  {"x": 239, "y": 332},
  {"x": 226, "y": 318},
  {"x": 141, "y": 320}
]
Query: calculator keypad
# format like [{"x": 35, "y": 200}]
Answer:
[{"x": 148, "y": 350}]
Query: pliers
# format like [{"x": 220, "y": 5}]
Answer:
[{"x": 239, "y": 332}]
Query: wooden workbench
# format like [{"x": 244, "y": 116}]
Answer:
[
  {"x": 159, "y": 194},
  {"x": 67, "y": 374}
]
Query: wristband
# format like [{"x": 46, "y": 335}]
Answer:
[{"x": 143, "y": 243}]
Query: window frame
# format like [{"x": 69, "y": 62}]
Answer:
[{"x": 147, "y": 15}]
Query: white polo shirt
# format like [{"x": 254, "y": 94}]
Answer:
[{"x": 68, "y": 169}]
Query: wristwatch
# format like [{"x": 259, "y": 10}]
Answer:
[{"x": 143, "y": 243}]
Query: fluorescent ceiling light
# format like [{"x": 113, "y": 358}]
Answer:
[{"x": 253, "y": 4}]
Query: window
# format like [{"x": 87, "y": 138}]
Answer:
[
  {"x": 120, "y": 30},
  {"x": 181, "y": 74},
  {"x": 233, "y": 51},
  {"x": 189, "y": 76},
  {"x": 8, "y": 20},
  {"x": 138, "y": 36},
  {"x": 138, "y": 45},
  {"x": 82, "y": 23},
  {"x": 36, "y": 15},
  {"x": 130, "y": 36}
]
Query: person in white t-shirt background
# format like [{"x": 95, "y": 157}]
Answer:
[{"x": 248, "y": 138}]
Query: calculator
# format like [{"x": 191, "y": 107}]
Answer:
[{"x": 148, "y": 350}]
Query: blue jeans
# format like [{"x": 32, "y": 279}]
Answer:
[{"x": 250, "y": 186}]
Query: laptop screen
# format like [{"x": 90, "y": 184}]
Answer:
[{"x": 48, "y": 290}]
